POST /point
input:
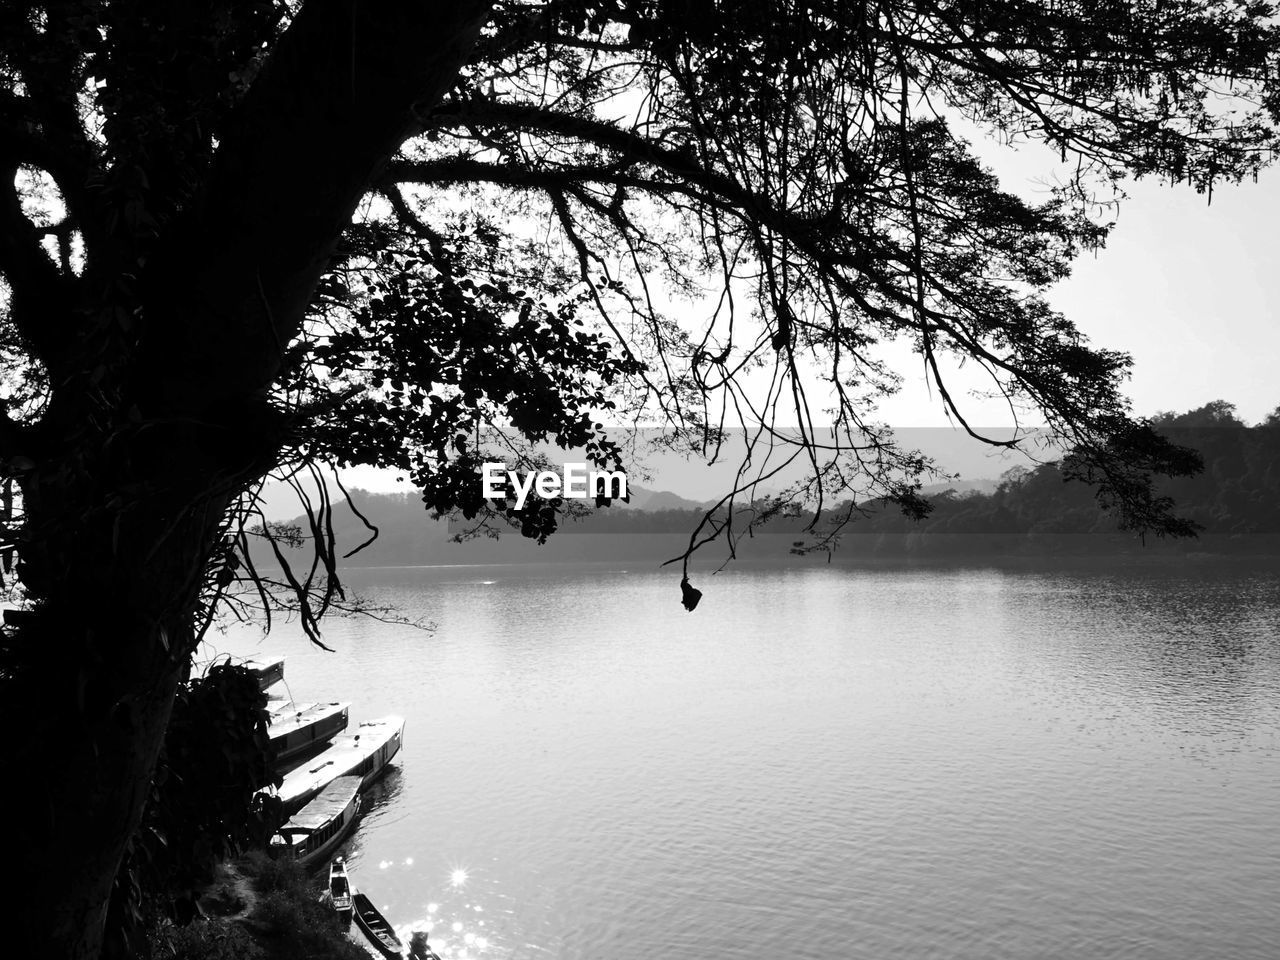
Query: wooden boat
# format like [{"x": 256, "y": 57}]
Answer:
[
  {"x": 268, "y": 671},
  {"x": 418, "y": 949},
  {"x": 364, "y": 753},
  {"x": 340, "y": 889},
  {"x": 314, "y": 831},
  {"x": 375, "y": 926},
  {"x": 297, "y": 728}
]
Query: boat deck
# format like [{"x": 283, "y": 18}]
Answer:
[
  {"x": 326, "y": 806},
  {"x": 268, "y": 670},
  {"x": 290, "y": 716},
  {"x": 346, "y": 755}
]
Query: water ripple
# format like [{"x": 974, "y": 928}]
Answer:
[{"x": 826, "y": 763}]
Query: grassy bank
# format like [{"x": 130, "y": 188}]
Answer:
[{"x": 259, "y": 909}]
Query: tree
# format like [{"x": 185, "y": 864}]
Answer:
[{"x": 264, "y": 236}]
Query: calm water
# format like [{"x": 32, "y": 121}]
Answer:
[{"x": 820, "y": 763}]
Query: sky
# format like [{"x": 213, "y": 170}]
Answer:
[
  {"x": 1191, "y": 291},
  {"x": 1189, "y": 288}
]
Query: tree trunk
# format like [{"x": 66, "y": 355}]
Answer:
[
  {"x": 95, "y": 778},
  {"x": 93, "y": 671},
  {"x": 151, "y": 433}
]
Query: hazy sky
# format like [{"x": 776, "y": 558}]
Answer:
[
  {"x": 1191, "y": 291},
  {"x": 1186, "y": 287}
]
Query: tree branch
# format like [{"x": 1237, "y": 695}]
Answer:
[
  {"x": 631, "y": 145},
  {"x": 341, "y": 92},
  {"x": 13, "y": 440}
]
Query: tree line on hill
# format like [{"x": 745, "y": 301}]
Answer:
[
  {"x": 1236, "y": 493},
  {"x": 1235, "y": 496}
]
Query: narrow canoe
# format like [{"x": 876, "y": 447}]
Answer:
[{"x": 375, "y": 926}]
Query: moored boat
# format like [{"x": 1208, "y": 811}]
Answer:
[
  {"x": 296, "y": 728},
  {"x": 340, "y": 889},
  {"x": 418, "y": 948},
  {"x": 314, "y": 831},
  {"x": 364, "y": 753},
  {"x": 268, "y": 670},
  {"x": 375, "y": 926}
]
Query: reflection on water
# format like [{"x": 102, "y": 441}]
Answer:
[
  {"x": 381, "y": 792},
  {"x": 455, "y": 919},
  {"x": 821, "y": 763}
]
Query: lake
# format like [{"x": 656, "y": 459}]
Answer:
[{"x": 820, "y": 762}]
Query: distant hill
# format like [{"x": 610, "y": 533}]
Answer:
[
  {"x": 643, "y": 499},
  {"x": 961, "y": 486},
  {"x": 1235, "y": 501},
  {"x": 280, "y": 503},
  {"x": 654, "y": 526}
]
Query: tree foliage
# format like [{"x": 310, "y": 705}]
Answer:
[
  {"x": 802, "y": 158},
  {"x": 274, "y": 236}
]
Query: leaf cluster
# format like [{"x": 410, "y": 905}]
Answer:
[
  {"x": 695, "y": 213},
  {"x": 444, "y": 354}
]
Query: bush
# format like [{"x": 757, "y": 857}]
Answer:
[
  {"x": 269, "y": 874},
  {"x": 204, "y": 941},
  {"x": 302, "y": 929}
]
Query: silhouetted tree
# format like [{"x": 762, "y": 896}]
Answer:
[{"x": 264, "y": 236}]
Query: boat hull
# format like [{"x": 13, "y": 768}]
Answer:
[
  {"x": 320, "y": 826},
  {"x": 364, "y": 753},
  {"x": 419, "y": 949},
  {"x": 375, "y": 927},
  {"x": 268, "y": 671},
  {"x": 298, "y": 730},
  {"x": 339, "y": 892}
]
